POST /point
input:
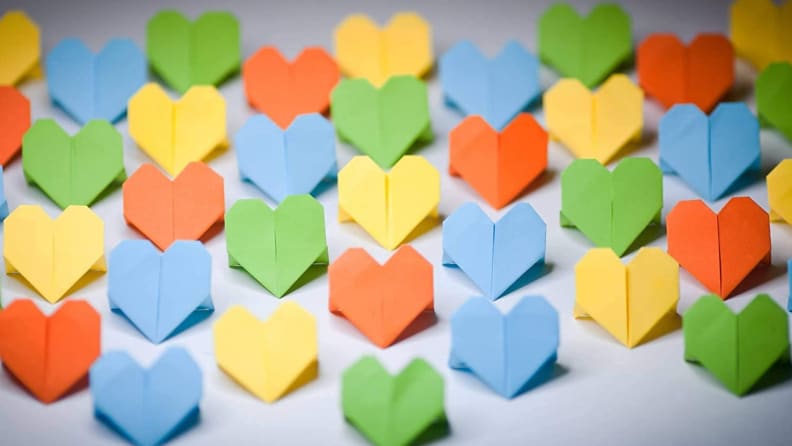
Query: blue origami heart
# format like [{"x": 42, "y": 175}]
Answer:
[
  {"x": 510, "y": 353},
  {"x": 497, "y": 89},
  {"x": 160, "y": 294},
  {"x": 294, "y": 161},
  {"x": 95, "y": 86},
  {"x": 3, "y": 201},
  {"x": 712, "y": 155},
  {"x": 495, "y": 256},
  {"x": 148, "y": 407}
]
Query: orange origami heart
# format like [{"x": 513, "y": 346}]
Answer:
[
  {"x": 719, "y": 250},
  {"x": 49, "y": 355},
  {"x": 498, "y": 166},
  {"x": 14, "y": 122}
]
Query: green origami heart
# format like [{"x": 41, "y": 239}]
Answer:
[
  {"x": 588, "y": 49},
  {"x": 276, "y": 247},
  {"x": 611, "y": 208},
  {"x": 183, "y": 54},
  {"x": 737, "y": 348},
  {"x": 773, "y": 90},
  {"x": 73, "y": 170},
  {"x": 383, "y": 124},
  {"x": 394, "y": 410}
]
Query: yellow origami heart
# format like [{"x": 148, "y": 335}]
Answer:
[
  {"x": 175, "y": 134},
  {"x": 761, "y": 31},
  {"x": 57, "y": 256},
  {"x": 627, "y": 301},
  {"x": 389, "y": 206},
  {"x": 402, "y": 47},
  {"x": 270, "y": 358},
  {"x": 779, "y": 192},
  {"x": 20, "y": 48},
  {"x": 595, "y": 125}
]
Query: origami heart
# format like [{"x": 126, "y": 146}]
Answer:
[
  {"x": 148, "y": 407},
  {"x": 20, "y": 48},
  {"x": 509, "y": 352},
  {"x": 779, "y": 191},
  {"x": 3, "y": 201},
  {"x": 499, "y": 166},
  {"x": 95, "y": 86},
  {"x": 282, "y": 90},
  {"x": 204, "y": 52},
  {"x": 719, "y": 250},
  {"x": 710, "y": 154},
  {"x": 627, "y": 301},
  {"x": 760, "y": 31},
  {"x": 164, "y": 211},
  {"x": 611, "y": 208},
  {"x": 389, "y": 206},
  {"x": 14, "y": 120},
  {"x": 737, "y": 348},
  {"x": 587, "y": 49},
  {"x": 175, "y": 134},
  {"x": 595, "y": 125},
  {"x": 278, "y": 246},
  {"x": 403, "y": 47},
  {"x": 381, "y": 301},
  {"x": 269, "y": 358},
  {"x": 52, "y": 256},
  {"x": 74, "y": 170},
  {"x": 287, "y": 162},
  {"x": 384, "y": 123},
  {"x": 494, "y": 255},
  {"x": 49, "y": 355},
  {"x": 772, "y": 86},
  {"x": 496, "y": 89}
]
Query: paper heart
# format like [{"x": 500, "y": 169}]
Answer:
[
  {"x": 494, "y": 255},
  {"x": 294, "y": 161},
  {"x": 403, "y": 47},
  {"x": 595, "y": 125},
  {"x": 184, "y": 54},
  {"x": 49, "y": 355},
  {"x": 54, "y": 257},
  {"x": 611, "y": 208},
  {"x": 282, "y": 90},
  {"x": 148, "y": 407},
  {"x": 779, "y": 191},
  {"x": 389, "y": 206},
  {"x": 587, "y": 49},
  {"x": 737, "y": 348},
  {"x": 176, "y": 133},
  {"x": 496, "y": 89},
  {"x": 772, "y": 86},
  {"x": 499, "y": 166},
  {"x": 382, "y": 123},
  {"x": 710, "y": 154},
  {"x": 268, "y": 358},
  {"x": 719, "y": 250},
  {"x": 699, "y": 73},
  {"x": 73, "y": 170},
  {"x": 14, "y": 121},
  {"x": 760, "y": 31},
  {"x": 3, "y": 201},
  {"x": 381, "y": 301},
  {"x": 278, "y": 246},
  {"x": 95, "y": 86},
  {"x": 20, "y": 48},
  {"x": 510, "y": 352}
]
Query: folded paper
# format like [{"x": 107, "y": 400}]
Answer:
[
  {"x": 497, "y": 257},
  {"x": 595, "y": 125},
  {"x": 713, "y": 155},
  {"x": 282, "y": 89},
  {"x": 498, "y": 165},
  {"x": 381, "y": 301},
  {"x": 298, "y": 160},
  {"x": 268, "y": 358},
  {"x": 495, "y": 89},
  {"x": 738, "y": 349},
  {"x": 276, "y": 247},
  {"x": 779, "y": 192},
  {"x": 511, "y": 353},
  {"x": 760, "y": 31},
  {"x": 3, "y": 201},
  {"x": 54, "y": 257},
  {"x": 390, "y": 206},
  {"x": 15, "y": 116},
  {"x": 175, "y": 134},
  {"x": 189, "y": 207},
  {"x": 73, "y": 170},
  {"x": 49, "y": 355},
  {"x": 773, "y": 85},
  {"x": 20, "y": 48},
  {"x": 719, "y": 250},
  {"x": 612, "y": 209}
]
